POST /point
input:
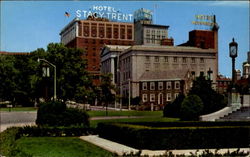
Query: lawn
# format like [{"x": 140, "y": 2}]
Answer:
[
  {"x": 59, "y": 147},
  {"x": 18, "y": 109},
  {"x": 94, "y": 123},
  {"x": 125, "y": 113}
]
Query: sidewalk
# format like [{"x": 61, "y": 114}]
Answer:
[
  {"x": 5, "y": 126},
  {"x": 122, "y": 149}
]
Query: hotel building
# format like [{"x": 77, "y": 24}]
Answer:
[{"x": 92, "y": 34}]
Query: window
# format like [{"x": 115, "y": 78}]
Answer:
[
  {"x": 144, "y": 86},
  {"x": 177, "y": 85},
  {"x": 168, "y": 96},
  {"x": 160, "y": 86},
  {"x": 193, "y": 60},
  {"x": 168, "y": 85},
  {"x": 156, "y": 59},
  {"x": 175, "y": 59},
  {"x": 144, "y": 97},
  {"x": 202, "y": 60},
  {"x": 176, "y": 95},
  {"x": 152, "y": 86},
  {"x": 147, "y": 59},
  {"x": 166, "y": 59},
  {"x": 184, "y": 60},
  {"x": 152, "y": 97}
]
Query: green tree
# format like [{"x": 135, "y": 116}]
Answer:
[
  {"x": 173, "y": 109},
  {"x": 191, "y": 108},
  {"x": 8, "y": 75},
  {"x": 212, "y": 100},
  {"x": 73, "y": 81},
  {"x": 107, "y": 94}
]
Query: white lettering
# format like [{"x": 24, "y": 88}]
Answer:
[
  {"x": 84, "y": 13},
  {"x": 109, "y": 9},
  {"x": 78, "y": 13},
  {"x": 108, "y": 15},
  {"x": 89, "y": 14},
  {"x": 100, "y": 8},
  {"x": 130, "y": 16},
  {"x": 113, "y": 15},
  {"x": 119, "y": 16},
  {"x": 101, "y": 15},
  {"x": 125, "y": 17},
  {"x": 105, "y": 8},
  {"x": 95, "y": 7}
]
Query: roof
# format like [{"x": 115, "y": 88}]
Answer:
[
  {"x": 113, "y": 48},
  {"x": 116, "y": 47},
  {"x": 14, "y": 53},
  {"x": 164, "y": 48},
  {"x": 155, "y": 25},
  {"x": 164, "y": 75}
]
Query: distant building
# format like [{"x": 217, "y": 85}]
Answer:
[
  {"x": 222, "y": 84},
  {"x": 147, "y": 33},
  {"x": 246, "y": 67}
]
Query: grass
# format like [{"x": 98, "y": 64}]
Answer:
[
  {"x": 125, "y": 113},
  {"x": 59, "y": 147},
  {"x": 18, "y": 109},
  {"x": 94, "y": 123}
]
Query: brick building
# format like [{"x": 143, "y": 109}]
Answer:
[
  {"x": 161, "y": 88},
  {"x": 92, "y": 34}
]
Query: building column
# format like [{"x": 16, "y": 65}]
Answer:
[{"x": 113, "y": 69}]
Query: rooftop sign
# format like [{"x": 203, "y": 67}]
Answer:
[
  {"x": 208, "y": 20},
  {"x": 99, "y": 11}
]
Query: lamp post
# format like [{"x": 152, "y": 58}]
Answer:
[
  {"x": 54, "y": 74},
  {"x": 233, "y": 52}
]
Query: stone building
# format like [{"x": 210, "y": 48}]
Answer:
[
  {"x": 138, "y": 60},
  {"x": 246, "y": 67}
]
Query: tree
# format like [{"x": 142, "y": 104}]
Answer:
[
  {"x": 173, "y": 109},
  {"x": 107, "y": 94},
  {"x": 191, "y": 108},
  {"x": 73, "y": 81},
  {"x": 7, "y": 77},
  {"x": 212, "y": 100}
]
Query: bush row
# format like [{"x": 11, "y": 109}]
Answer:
[
  {"x": 192, "y": 123},
  {"x": 36, "y": 131},
  {"x": 144, "y": 137}
]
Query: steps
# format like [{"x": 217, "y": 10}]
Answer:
[{"x": 241, "y": 114}]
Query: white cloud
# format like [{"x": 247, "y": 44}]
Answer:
[{"x": 230, "y": 3}]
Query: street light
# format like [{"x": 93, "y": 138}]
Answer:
[
  {"x": 54, "y": 74},
  {"x": 233, "y": 52}
]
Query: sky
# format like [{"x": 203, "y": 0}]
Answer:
[{"x": 28, "y": 25}]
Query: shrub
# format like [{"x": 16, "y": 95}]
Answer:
[
  {"x": 41, "y": 131},
  {"x": 173, "y": 109},
  {"x": 56, "y": 114},
  {"x": 155, "y": 138},
  {"x": 191, "y": 108}
]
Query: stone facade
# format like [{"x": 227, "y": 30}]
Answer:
[{"x": 140, "y": 59}]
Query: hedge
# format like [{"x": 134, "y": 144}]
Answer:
[
  {"x": 40, "y": 131},
  {"x": 165, "y": 138},
  {"x": 192, "y": 123}
]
